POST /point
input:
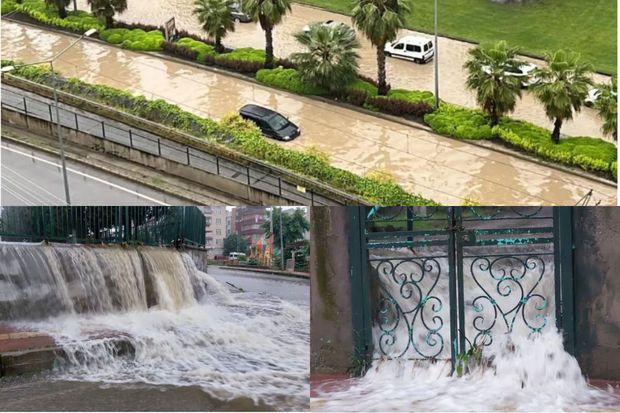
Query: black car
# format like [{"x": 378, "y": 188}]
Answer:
[
  {"x": 271, "y": 123},
  {"x": 238, "y": 13}
]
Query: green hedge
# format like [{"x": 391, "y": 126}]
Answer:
[
  {"x": 414, "y": 96},
  {"x": 78, "y": 22},
  {"x": 288, "y": 79},
  {"x": 201, "y": 48},
  {"x": 236, "y": 132},
  {"x": 244, "y": 54},
  {"x": 587, "y": 153},
  {"x": 136, "y": 39}
]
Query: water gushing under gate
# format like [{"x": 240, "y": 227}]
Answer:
[{"x": 184, "y": 327}]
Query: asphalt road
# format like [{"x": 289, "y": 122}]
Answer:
[
  {"x": 31, "y": 177},
  {"x": 296, "y": 290}
]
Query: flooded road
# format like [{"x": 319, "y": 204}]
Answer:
[
  {"x": 401, "y": 74},
  {"x": 440, "y": 168}
]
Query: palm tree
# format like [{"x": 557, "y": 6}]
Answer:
[
  {"x": 60, "y": 5},
  {"x": 496, "y": 93},
  {"x": 562, "y": 87},
  {"x": 331, "y": 59},
  {"x": 268, "y": 13},
  {"x": 106, "y": 9},
  {"x": 607, "y": 106},
  {"x": 216, "y": 19},
  {"x": 380, "y": 21}
]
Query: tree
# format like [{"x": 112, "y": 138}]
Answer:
[
  {"x": 496, "y": 93},
  {"x": 562, "y": 87},
  {"x": 269, "y": 13},
  {"x": 235, "y": 243},
  {"x": 331, "y": 59},
  {"x": 380, "y": 21},
  {"x": 216, "y": 19},
  {"x": 294, "y": 226},
  {"x": 106, "y": 9},
  {"x": 607, "y": 106},
  {"x": 61, "y": 5}
]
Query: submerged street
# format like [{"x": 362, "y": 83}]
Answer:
[{"x": 439, "y": 168}]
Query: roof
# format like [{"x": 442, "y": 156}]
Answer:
[
  {"x": 414, "y": 39},
  {"x": 257, "y": 110}
]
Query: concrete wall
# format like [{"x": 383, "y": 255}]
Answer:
[
  {"x": 331, "y": 338},
  {"x": 597, "y": 290},
  {"x": 200, "y": 256}
]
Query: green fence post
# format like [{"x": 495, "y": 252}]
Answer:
[{"x": 566, "y": 267}]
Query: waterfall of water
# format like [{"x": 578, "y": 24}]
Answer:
[{"x": 176, "y": 325}]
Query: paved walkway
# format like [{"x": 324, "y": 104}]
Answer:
[{"x": 444, "y": 169}]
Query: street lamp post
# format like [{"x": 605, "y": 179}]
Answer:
[
  {"x": 436, "y": 61},
  {"x": 61, "y": 142}
]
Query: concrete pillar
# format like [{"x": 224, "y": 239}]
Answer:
[
  {"x": 597, "y": 290},
  {"x": 331, "y": 329}
]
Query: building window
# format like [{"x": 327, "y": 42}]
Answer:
[
  {"x": 218, "y": 232},
  {"x": 218, "y": 220}
]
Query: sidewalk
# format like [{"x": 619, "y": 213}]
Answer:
[{"x": 265, "y": 271}]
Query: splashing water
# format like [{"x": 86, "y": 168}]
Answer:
[
  {"x": 524, "y": 374},
  {"x": 522, "y": 370},
  {"x": 147, "y": 315}
]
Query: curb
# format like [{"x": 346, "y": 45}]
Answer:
[
  {"x": 78, "y": 159},
  {"x": 266, "y": 271},
  {"x": 488, "y": 145}
]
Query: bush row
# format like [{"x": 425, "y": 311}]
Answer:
[
  {"x": 133, "y": 39},
  {"x": 236, "y": 132},
  {"x": 77, "y": 22},
  {"x": 587, "y": 153}
]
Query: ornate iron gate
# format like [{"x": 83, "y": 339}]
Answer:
[{"x": 430, "y": 282}]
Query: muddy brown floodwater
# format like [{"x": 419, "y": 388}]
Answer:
[
  {"x": 440, "y": 168},
  {"x": 401, "y": 74}
]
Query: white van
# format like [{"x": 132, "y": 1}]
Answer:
[
  {"x": 236, "y": 255},
  {"x": 418, "y": 49}
]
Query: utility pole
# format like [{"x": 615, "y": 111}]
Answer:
[
  {"x": 271, "y": 235},
  {"x": 281, "y": 243},
  {"x": 436, "y": 61}
]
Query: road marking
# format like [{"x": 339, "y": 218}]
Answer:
[
  {"x": 94, "y": 178},
  {"x": 32, "y": 183}
]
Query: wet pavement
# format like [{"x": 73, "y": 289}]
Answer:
[
  {"x": 43, "y": 393},
  {"x": 401, "y": 74},
  {"x": 446, "y": 170}
]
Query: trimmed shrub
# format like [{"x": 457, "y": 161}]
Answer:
[
  {"x": 415, "y": 96},
  {"x": 288, "y": 79},
  {"x": 399, "y": 107},
  {"x": 459, "y": 122},
  {"x": 77, "y": 22},
  {"x": 135, "y": 39},
  {"x": 201, "y": 49}
]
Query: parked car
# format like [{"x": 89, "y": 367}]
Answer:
[
  {"x": 524, "y": 71},
  {"x": 271, "y": 123},
  {"x": 327, "y": 23},
  {"x": 238, "y": 14},
  {"x": 418, "y": 49}
]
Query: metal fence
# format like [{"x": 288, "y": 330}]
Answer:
[
  {"x": 148, "y": 225},
  {"x": 255, "y": 177},
  {"x": 436, "y": 282}
]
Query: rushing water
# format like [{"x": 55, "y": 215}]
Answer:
[
  {"x": 525, "y": 374},
  {"x": 183, "y": 327},
  {"x": 521, "y": 369}
]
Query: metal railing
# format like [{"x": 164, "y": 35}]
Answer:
[
  {"x": 148, "y": 225},
  {"x": 119, "y": 133}
]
